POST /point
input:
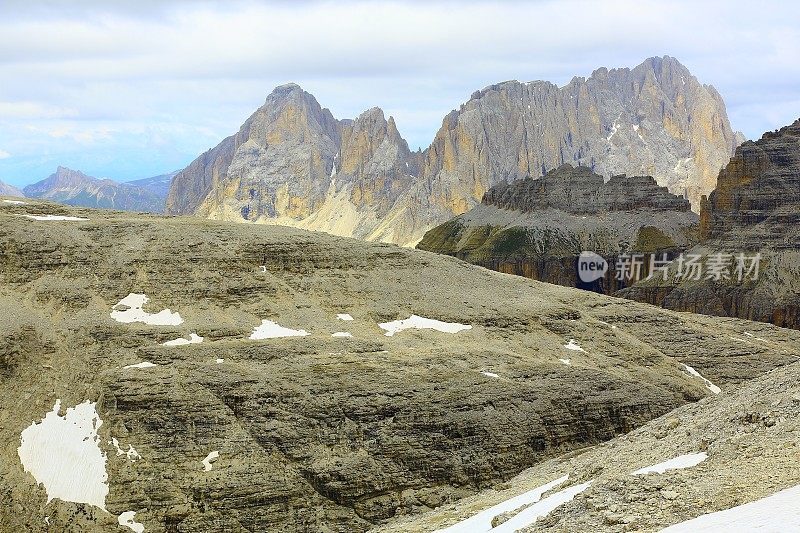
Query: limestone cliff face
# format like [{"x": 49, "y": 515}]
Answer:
[
  {"x": 275, "y": 166},
  {"x": 656, "y": 119},
  {"x": 73, "y": 187},
  {"x": 293, "y": 163},
  {"x": 755, "y": 209},
  {"x": 537, "y": 228}
]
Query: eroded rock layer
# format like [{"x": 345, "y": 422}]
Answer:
[
  {"x": 316, "y": 432},
  {"x": 755, "y": 209},
  {"x": 538, "y": 228}
]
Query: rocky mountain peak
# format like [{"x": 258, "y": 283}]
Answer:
[{"x": 655, "y": 120}]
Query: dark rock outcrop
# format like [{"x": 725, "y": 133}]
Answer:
[
  {"x": 73, "y": 187},
  {"x": 537, "y": 228},
  {"x": 755, "y": 209}
]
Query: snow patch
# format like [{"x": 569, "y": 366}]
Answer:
[
  {"x": 482, "y": 521},
  {"x": 219, "y": 361},
  {"x": 565, "y": 361},
  {"x": 63, "y": 454},
  {"x": 677, "y": 463},
  {"x": 490, "y": 374},
  {"x": 574, "y": 346},
  {"x": 126, "y": 519},
  {"x": 540, "y": 509},
  {"x": 55, "y": 217},
  {"x": 418, "y": 322},
  {"x": 15, "y": 202},
  {"x": 775, "y": 513},
  {"x": 129, "y": 310},
  {"x": 271, "y": 330},
  {"x": 143, "y": 364},
  {"x": 713, "y": 388},
  {"x": 210, "y": 458},
  {"x": 342, "y": 334},
  {"x": 131, "y": 454},
  {"x": 344, "y": 316},
  {"x": 193, "y": 339}
]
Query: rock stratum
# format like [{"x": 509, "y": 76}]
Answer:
[
  {"x": 538, "y": 228},
  {"x": 73, "y": 187},
  {"x": 746, "y": 442},
  {"x": 313, "y": 432},
  {"x": 293, "y": 163},
  {"x": 755, "y": 209}
]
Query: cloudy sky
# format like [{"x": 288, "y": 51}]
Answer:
[{"x": 131, "y": 89}]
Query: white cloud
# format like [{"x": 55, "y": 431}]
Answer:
[
  {"x": 205, "y": 66},
  {"x": 4, "y": 154}
]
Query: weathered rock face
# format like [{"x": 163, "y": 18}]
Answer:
[
  {"x": 656, "y": 119},
  {"x": 537, "y": 228},
  {"x": 292, "y": 163},
  {"x": 10, "y": 190},
  {"x": 73, "y": 187},
  {"x": 755, "y": 209},
  {"x": 317, "y": 433}
]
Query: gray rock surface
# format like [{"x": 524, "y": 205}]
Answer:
[
  {"x": 656, "y": 119},
  {"x": 755, "y": 209},
  {"x": 73, "y": 187},
  {"x": 318, "y": 433},
  {"x": 538, "y": 228},
  {"x": 749, "y": 434}
]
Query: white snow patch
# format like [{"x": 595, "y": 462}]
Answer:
[
  {"x": 418, "y": 322},
  {"x": 143, "y": 364},
  {"x": 193, "y": 339},
  {"x": 210, "y": 458},
  {"x": 773, "y": 514},
  {"x": 540, "y": 509},
  {"x": 131, "y": 311},
  {"x": 574, "y": 346},
  {"x": 55, "y": 217},
  {"x": 490, "y": 374},
  {"x": 15, "y": 202},
  {"x": 271, "y": 330},
  {"x": 713, "y": 388},
  {"x": 126, "y": 519},
  {"x": 131, "y": 454},
  {"x": 342, "y": 334},
  {"x": 680, "y": 163},
  {"x": 482, "y": 521},
  {"x": 63, "y": 454},
  {"x": 219, "y": 361},
  {"x": 677, "y": 463},
  {"x": 565, "y": 361},
  {"x": 344, "y": 316}
]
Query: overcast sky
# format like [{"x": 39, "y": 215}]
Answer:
[{"x": 133, "y": 89}]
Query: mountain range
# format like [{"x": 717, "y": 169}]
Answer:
[
  {"x": 73, "y": 187},
  {"x": 294, "y": 163}
]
